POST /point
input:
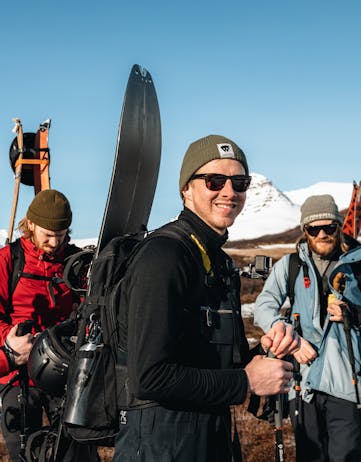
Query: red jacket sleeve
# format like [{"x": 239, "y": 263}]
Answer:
[
  {"x": 5, "y": 270},
  {"x": 4, "y": 365}
]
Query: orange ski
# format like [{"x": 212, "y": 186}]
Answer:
[
  {"x": 352, "y": 222},
  {"x": 42, "y": 156},
  {"x": 18, "y": 129}
]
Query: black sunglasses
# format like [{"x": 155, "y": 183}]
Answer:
[
  {"x": 328, "y": 229},
  {"x": 216, "y": 181}
]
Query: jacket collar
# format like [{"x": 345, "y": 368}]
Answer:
[
  {"x": 210, "y": 238},
  {"x": 30, "y": 247}
]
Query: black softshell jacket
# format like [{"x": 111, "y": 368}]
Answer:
[{"x": 180, "y": 350}]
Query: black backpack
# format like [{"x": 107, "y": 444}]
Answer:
[{"x": 97, "y": 391}]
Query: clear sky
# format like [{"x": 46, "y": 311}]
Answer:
[{"x": 281, "y": 78}]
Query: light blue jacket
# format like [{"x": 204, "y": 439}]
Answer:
[{"x": 330, "y": 372}]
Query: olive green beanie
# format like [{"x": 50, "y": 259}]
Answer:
[
  {"x": 205, "y": 150},
  {"x": 51, "y": 210}
]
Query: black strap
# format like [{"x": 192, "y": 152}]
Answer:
[
  {"x": 17, "y": 262},
  {"x": 39, "y": 277},
  {"x": 294, "y": 265},
  {"x": 181, "y": 232}
]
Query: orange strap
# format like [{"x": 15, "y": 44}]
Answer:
[{"x": 32, "y": 162}]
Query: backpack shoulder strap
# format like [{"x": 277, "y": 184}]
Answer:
[
  {"x": 294, "y": 266},
  {"x": 193, "y": 244},
  {"x": 18, "y": 262}
]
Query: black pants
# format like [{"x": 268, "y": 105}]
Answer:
[
  {"x": 160, "y": 435},
  {"x": 37, "y": 401},
  {"x": 327, "y": 430}
]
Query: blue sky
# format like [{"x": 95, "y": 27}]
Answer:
[{"x": 281, "y": 78}]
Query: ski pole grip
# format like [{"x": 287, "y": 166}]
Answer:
[{"x": 24, "y": 327}]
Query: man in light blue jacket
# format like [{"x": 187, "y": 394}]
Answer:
[{"x": 323, "y": 402}]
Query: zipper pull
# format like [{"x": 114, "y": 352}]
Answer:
[{"x": 209, "y": 317}]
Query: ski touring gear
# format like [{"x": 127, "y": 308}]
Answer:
[
  {"x": 352, "y": 221},
  {"x": 18, "y": 129},
  {"x": 136, "y": 163},
  {"x": 29, "y": 158},
  {"x": 42, "y": 156},
  {"x": 97, "y": 384},
  {"x": 93, "y": 394},
  {"x": 33, "y": 154},
  {"x": 50, "y": 357}
]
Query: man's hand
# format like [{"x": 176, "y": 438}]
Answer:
[
  {"x": 21, "y": 346},
  {"x": 268, "y": 376},
  {"x": 334, "y": 308},
  {"x": 281, "y": 339},
  {"x": 306, "y": 354}
]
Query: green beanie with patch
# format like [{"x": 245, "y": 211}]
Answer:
[
  {"x": 205, "y": 150},
  {"x": 50, "y": 210}
]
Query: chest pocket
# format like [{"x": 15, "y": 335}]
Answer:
[
  {"x": 221, "y": 321},
  {"x": 217, "y": 324}
]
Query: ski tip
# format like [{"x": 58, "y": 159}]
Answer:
[{"x": 46, "y": 123}]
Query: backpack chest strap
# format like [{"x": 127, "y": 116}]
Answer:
[{"x": 39, "y": 277}]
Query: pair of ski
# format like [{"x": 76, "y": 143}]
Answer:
[{"x": 30, "y": 159}]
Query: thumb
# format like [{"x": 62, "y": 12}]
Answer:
[{"x": 266, "y": 342}]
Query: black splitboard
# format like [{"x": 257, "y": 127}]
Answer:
[{"x": 136, "y": 163}]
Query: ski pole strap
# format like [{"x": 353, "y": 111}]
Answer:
[
  {"x": 347, "y": 328},
  {"x": 10, "y": 354}
]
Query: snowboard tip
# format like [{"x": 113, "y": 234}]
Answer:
[{"x": 142, "y": 72}]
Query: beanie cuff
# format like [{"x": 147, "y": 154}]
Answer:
[
  {"x": 321, "y": 216},
  {"x": 52, "y": 224}
]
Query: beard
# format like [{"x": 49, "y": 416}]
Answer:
[{"x": 322, "y": 246}]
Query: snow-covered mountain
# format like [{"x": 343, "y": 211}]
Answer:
[{"x": 268, "y": 210}]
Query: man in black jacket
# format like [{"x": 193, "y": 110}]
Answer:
[{"x": 180, "y": 323}]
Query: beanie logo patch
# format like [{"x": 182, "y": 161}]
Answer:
[{"x": 226, "y": 151}]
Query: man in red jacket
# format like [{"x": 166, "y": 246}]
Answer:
[{"x": 40, "y": 295}]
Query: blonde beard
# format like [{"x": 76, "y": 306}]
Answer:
[{"x": 315, "y": 244}]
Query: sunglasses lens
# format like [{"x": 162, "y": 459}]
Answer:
[
  {"x": 217, "y": 182},
  {"x": 240, "y": 184},
  {"x": 315, "y": 230}
]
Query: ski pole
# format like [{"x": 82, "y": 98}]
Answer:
[
  {"x": 23, "y": 329},
  {"x": 278, "y": 427},
  {"x": 347, "y": 328},
  {"x": 296, "y": 370},
  {"x": 339, "y": 284},
  {"x": 18, "y": 129}
]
